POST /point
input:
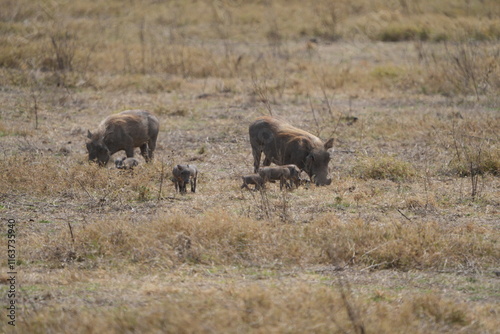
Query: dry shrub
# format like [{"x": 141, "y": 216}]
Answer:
[
  {"x": 473, "y": 161},
  {"x": 402, "y": 246},
  {"x": 470, "y": 139},
  {"x": 467, "y": 68},
  {"x": 384, "y": 167},
  {"x": 420, "y": 203},
  {"x": 474, "y": 156},
  {"x": 431, "y": 313},
  {"x": 432, "y": 310}
]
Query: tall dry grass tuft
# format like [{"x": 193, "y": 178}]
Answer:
[
  {"x": 221, "y": 238},
  {"x": 289, "y": 306},
  {"x": 402, "y": 245},
  {"x": 75, "y": 177}
]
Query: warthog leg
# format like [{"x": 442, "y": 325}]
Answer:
[
  {"x": 144, "y": 152},
  {"x": 257, "y": 153}
]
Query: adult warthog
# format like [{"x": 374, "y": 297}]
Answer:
[
  {"x": 284, "y": 144},
  {"x": 124, "y": 131}
]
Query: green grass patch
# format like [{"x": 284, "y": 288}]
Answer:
[
  {"x": 384, "y": 167},
  {"x": 398, "y": 33}
]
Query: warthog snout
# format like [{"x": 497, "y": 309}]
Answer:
[
  {"x": 326, "y": 183},
  {"x": 98, "y": 152},
  {"x": 321, "y": 181}
]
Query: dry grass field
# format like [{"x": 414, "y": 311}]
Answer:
[{"x": 406, "y": 239}]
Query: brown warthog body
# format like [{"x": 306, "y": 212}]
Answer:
[
  {"x": 126, "y": 163},
  {"x": 124, "y": 131},
  {"x": 184, "y": 174},
  {"x": 284, "y": 144},
  {"x": 278, "y": 173},
  {"x": 252, "y": 179}
]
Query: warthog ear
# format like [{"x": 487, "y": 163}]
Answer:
[
  {"x": 89, "y": 134},
  {"x": 179, "y": 167},
  {"x": 329, "y": 144}
]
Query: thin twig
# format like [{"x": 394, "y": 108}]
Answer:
[
  {"x": 325, "y": 95},
  {"x": 374, "y": 249},
  {"x": 71, "y": 232},
  {"x": 83, "y": 187},
  {"x": 352, "y": 311},
  {"x": 376, "y": 265},
  {"x": 402, "y": 214},
  {"x": 314, "y": 115},
  {"x": 161, "y": 179}
]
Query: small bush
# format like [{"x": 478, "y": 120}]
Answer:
[
  {"x": 384, "y": 167},
  {"x": 396, "y": 33},
  {"x": 387, "y": 71},
  {"x": 433, "y": 309},
  {"x": 476, "y": 163}
]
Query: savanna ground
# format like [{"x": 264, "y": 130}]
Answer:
[{"x": 405, "y": 239}]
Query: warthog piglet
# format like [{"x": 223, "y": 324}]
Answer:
[
  {"x": 252, "y": 179},
  {"x": 126, "y": 163},
  {"x": 270, "y": 174},
  {"x": 294, "y": 175},
  {"x": 182, "y": 175}
]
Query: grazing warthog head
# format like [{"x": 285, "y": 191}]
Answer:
[
  {"x": 98, "y": 151},
  {"x": 284, "y": 144},
  {"x": 124, "y": 131},
  {"x": 316, "y": 166}
]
